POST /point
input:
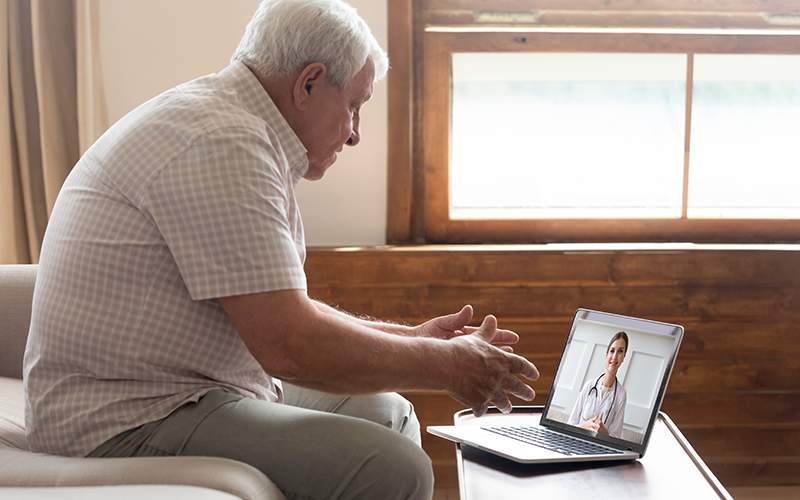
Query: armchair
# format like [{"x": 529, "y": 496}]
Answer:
[{"x": 28, "y": 475}]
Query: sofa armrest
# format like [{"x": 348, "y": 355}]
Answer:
[
  {"x": 16, "y": 294},
  {"x": 26, "y": 469},
  {"x": 128, "y": 492}
]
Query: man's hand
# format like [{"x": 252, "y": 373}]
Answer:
[
  {"x": 456, "y": 325},
  {"x": 483, "y": 373}
]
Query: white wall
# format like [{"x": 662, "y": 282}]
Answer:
[{"x": 149, "y": 46}]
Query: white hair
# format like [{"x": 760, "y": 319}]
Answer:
[{"x": 287, "y": 35}]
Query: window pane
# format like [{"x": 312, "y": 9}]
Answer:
[
  {"x": 744, "y": 161},
  {"x": 567, "y": 135}
]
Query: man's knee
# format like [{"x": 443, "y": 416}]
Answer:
[
  {"x": 416, "y": 473},
  {"x": 389, "y": 409},
  {"x": 399, "y": 470}
]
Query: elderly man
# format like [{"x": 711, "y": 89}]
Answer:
[{"x": 171, "y": 299}]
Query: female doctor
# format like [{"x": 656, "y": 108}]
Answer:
[{"x": 601, "y": 405}]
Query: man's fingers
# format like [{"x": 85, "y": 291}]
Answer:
[
  {"x": 487, "y": 330},
  {"x": 458, "y": 320},
  {"x": 505, "y": 337},
  {"x": 519, "y": 389},
  {"x": 523, "y": 367},
  {"x": 500, "y": 336},
  {"x": 512, "y": 385},
  {"x": 502, "y": 403},
  {"x": 480, "y": 410}
]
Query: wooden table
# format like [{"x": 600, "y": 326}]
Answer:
[{"x": 670, "y": 469}]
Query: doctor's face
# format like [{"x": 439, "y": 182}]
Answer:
[{"x": 615, "y": 356}]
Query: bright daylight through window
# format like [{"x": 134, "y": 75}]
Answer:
[
  {"x": 603, "y": 136},
  {"x": 744, "y": 160}
]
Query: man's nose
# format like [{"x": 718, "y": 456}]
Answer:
[{"x": 355, "y": 135}]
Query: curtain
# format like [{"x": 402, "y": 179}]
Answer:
[{"x": 52, "y": 108}]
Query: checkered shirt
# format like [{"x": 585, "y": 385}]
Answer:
[{"x": 188, "y": 198}]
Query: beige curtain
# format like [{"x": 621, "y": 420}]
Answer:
[{"x": 52, "y": 108}]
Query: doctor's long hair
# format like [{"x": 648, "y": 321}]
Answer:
[{"x": 617, "y": 336}]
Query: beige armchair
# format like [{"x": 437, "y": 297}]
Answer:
[{"x": 25, "y": 475}]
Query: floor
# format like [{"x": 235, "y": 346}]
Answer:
[{"x": 741, "y": 493}]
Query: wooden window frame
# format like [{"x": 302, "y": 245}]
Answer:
[{"x": 419, "y": 180}]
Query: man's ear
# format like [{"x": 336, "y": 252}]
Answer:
[{"x": 312, "y": 76}]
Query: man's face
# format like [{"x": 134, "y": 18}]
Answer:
[{"x": 334, "y": 120}]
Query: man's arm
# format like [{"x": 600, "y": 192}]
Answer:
[
  {"x": 383, "y": 326},
  {"x": 443, "y": 327},
  {"x": 296, "y": 340}
]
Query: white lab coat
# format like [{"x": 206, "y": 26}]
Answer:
[{"x": 587, "y": 407}]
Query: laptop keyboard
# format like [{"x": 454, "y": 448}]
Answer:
[{"x": 552, "y": 441}]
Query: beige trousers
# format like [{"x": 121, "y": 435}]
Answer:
[{"x": 315, "y": 446}]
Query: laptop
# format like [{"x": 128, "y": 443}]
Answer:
[{"x": 628, "y": 408}]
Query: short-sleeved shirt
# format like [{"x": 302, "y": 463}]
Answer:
[{"x": 188, "y": 198}]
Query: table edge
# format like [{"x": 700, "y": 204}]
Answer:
[{"x": 673, "y": 429}]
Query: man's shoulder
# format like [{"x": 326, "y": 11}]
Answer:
[
  {"x": 172, "y": 121},
  {"x": 220, "y": 101},
  {"x": 181, "y": 114}
]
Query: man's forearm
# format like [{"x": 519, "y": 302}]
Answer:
[
  {"x": 314, "y": 346},
  {"x": 384, "y": 326}
]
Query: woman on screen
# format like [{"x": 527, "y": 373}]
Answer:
[{"x": 601, "y": 405}]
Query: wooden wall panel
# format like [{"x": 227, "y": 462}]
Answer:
[{"x": 735, "y": 389}]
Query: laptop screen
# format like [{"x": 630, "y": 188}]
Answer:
[{"x": 612, "y": 377}]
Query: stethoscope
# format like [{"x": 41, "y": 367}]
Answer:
[{"x": 596, "y": 394}]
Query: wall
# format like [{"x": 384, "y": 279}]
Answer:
[{"x": 148, "y": 46}]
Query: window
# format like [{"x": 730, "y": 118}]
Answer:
[
  {"x": 566, "y": 135},
  {"x": 744, "y": 160},
  {"x": 602, "y": 135},
  {"x": 532, "y": 132}
]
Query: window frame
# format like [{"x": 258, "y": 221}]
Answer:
[
  {"x": 439, "y": 45},
  {"x": 423, "y": 34}
]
